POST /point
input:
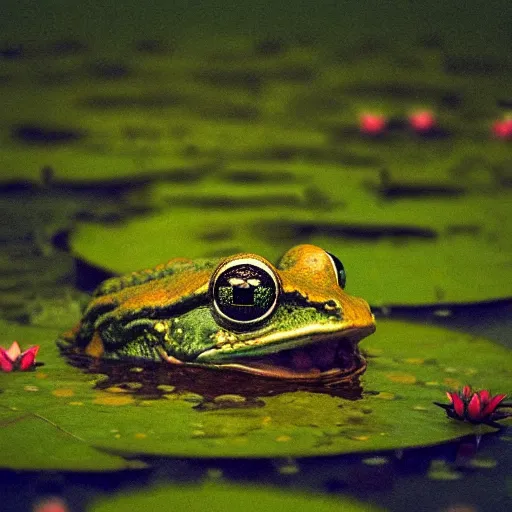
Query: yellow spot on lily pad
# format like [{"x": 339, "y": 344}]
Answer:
[
  {"x": 283, "y": 439},
  {"x": 75, "y": 403},
  {"x": 41, "y": 375},
  {"x": 385, "y": 395},
  {"x": 432, "y": 383},
  {"x": 31, "y": 388},
  {"x": 140, "y": 435},
  {"x": 420, "y": 408},
  {"x": 266, "y": 420},
  {"x": 360, "y": 438},
  {"x": 453, "y": 383},
  {"x": 374, "y": 351},
  {"x": 63, "y": 392},
  {"x": 113, "y": 400},
  {"x": 402, "y": 378},
  {"x": 116, "y": 389},
  {"x": 414, "y": 360}
]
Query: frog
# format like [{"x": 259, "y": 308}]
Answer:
[{"x": 293, "y": 321}]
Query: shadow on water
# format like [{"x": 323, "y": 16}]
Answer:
[{"x": 154, "y": 380}]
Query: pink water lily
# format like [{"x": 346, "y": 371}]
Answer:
[
  {"x": 372, "y": 124},
  {"x": 422, "y": 121},
  {"x": 14, "y": 359},
  {"x": 476, "y": 407}
]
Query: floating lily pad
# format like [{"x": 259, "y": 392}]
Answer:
[
  {"x": 32, "y": 440},
  {"x": 410, "y": 366},
  {"x": 219, "y": 497},
  {"x": 402, "y": 262}
]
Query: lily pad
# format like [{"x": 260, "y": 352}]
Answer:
[
  {"x": 220, "y": 497},
  {"x": 410, "y": 366},
  {"x": 32, "y": 440},
  {"x": 406, "y": 261}
]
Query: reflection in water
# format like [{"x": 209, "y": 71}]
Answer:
[{"x": 211, "y": 387}]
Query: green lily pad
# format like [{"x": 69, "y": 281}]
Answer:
[
  {"x": 31, "y": 439},
  {"x": 407, "y": 261},
  {"x": 221, "y": 497},
  {"x": 33, "y": 442},
  {"x": 410, "y": 366}
]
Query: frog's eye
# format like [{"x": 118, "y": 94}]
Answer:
[
  {"x": 244, "y": 292},
  {"x": 339, "y": 269}
]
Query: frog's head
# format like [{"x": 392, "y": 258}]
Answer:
[{"x": 293, "y": 321}]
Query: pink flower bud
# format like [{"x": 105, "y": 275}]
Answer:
[
  {"x": 502, "y": 128},
  {"x": 372, "y": 124},
  {"x": 422, "y": 121}
]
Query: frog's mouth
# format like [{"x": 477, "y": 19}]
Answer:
[
  {"x": 317, "y": 358},
  {"x": 327, "y": 361}
]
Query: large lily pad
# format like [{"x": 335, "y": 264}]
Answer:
[
  {"x": 219, "y": 497},
  {"x": 443, "y": 256},
  {"x": 410, "y": 366}
]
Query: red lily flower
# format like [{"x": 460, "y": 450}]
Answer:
[
  {"x": 14, "y": 359},
  {"x": 502, "y": 128},
  {"x": 422, "y": 121},
  {"x": 372, "y": 124},
  {"x": 475, "y": 407}
]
